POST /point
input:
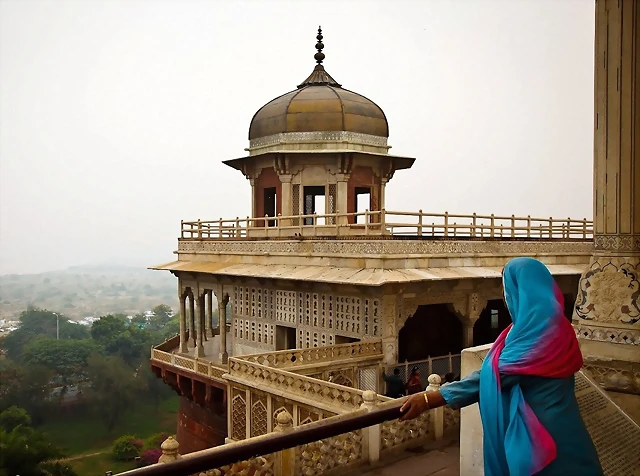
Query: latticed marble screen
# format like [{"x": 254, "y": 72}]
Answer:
[
  {"x": 317, "y": 317},
  {"x": 331, "y": 203}
]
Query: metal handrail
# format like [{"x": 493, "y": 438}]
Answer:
[{"x": 272, "y": 442}]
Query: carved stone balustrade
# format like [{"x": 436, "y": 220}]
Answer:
[{"x": 338, "y": 454}]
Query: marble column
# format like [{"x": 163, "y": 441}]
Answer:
[
  {"x": 183, "y": 320},
  {"x": 223, "y": 300},
  {"x": 286, "y": 198},
  {"x": 607, "y": 310},
  {"x": 192, "y": 318},
  {"x": 210, "y": 311},
  {"x": 201, "y": 322},
  {"x": 342, "y": 191}
]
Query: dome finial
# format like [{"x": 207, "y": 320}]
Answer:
[
  {"x": 319, "y": 76},
  {"x": 319, "y": 56}
]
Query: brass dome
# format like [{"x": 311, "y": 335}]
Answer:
[{"x": 319, "y": 104}]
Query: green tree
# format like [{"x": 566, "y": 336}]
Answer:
[
  {"x": 26, "y": 451},
  {"x": 35, "y": 323},
  {"x": 113, "y": 388},
  {"x": 108, "y": 328},
  {"x": 67, "y": 359},
  {"x": 26, "y": 386},
  {"x": 162, "y": 315}
]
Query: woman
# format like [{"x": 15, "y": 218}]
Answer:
[{"x": 525, "y": 387}]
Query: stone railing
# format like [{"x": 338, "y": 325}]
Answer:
[
  {"x": 307, "y": 390},
  {"x": 198, "y": 366},
  {"x": 369, "y": 349},
  {"x": 333, "y": 455},
  {"x": 169, "y": 344},
  {"x": 392, "y": 223}
]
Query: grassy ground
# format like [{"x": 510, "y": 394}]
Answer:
[
  {"x": 85, "y": 435},
  {"x": 99, "y": 464}
]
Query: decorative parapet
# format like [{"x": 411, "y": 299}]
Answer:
[
  {"x": 326, "y": 396},
  {"x": 201, "y": 367},
  {"x": 333, "y": 455},
  {"x": 371, "y": 349}
]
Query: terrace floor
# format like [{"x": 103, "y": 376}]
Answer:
[
  {"x": 211, "y": 349},
  {"x": 423, "y": 462}
]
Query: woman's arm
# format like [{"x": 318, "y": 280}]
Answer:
[{"x": 456, "y": 395}]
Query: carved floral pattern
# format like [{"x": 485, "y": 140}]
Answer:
[
  {"x": 258, "y": 466},
  {"x": 400, "y": 434},
  {"x": 329, "y": 456},
  {"x": 376, "y": 247},
  {"x": 609, "y": 291}
]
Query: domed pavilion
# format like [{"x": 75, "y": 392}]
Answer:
[{"x": 319, "y": 149}]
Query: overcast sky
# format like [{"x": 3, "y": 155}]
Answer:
[{"x": 115, "y": 116}]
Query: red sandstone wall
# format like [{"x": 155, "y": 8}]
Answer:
[
  {"x": 362, "y": 177},
  {"x": 268, "y": 178},
  {"x": 198, "y": 428}
]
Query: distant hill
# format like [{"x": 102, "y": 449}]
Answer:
[{"x": 93, "y": 290}]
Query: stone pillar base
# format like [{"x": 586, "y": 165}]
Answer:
[{"x": 607, "y": 321}]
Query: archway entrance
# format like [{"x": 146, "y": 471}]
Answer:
[
  {"x": 433, "y": 331},
  {"x": 492, "y": 321}
]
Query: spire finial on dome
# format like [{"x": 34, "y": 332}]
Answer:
[
  {"x": 319, "y": 76},
  {"x": 319, "y": 56}
]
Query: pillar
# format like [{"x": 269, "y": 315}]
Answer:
[
  {"x": 287, "y": 206},
  {"x": 389, "y": 311},
  {"x": 192, "y": 319},
  {"x": 223, "y": 300},
  {"x": 607, "y": 311},
  {"x": 210, "y": 311},
  {"x": 183, "y": 321},
  {"x": 468, "y": 310},
  {"x": 342, "y": 192},
  {"x": 201, "y": 319}
]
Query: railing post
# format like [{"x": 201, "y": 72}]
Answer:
[
  {"x": 285, "y": 460},
  {"x": 493, "y": 224},
  {"x": 528, "y": 226},
  {"x": 248, "y": 226},
  {"x": 568, "y": 227},
  {"x": 371, "y": 435},
  {"x": 237, "y": 230},
  {"x": 430, "y": 364},
  {"x": 366, "y": 221},
  {"x": 169, "y": 448},
  {"x": 550, "y": 227},
  {"x": 584, "y": 228},
  {"x": 446, "y": 223},
  {"x": 450, "y": 363},
  {"x": 181, "y": 228},
  {"x": 513, "y": 226},
  {"x": 383, "y": 221},
  {"x": 220, "y": 228},
  {"x": 473, "y": 225},
  {"x": 420, "y": 222},
  {"x": 199, "y": 229},
  {"x": 438, "y": 413}
]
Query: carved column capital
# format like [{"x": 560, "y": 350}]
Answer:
[{"x": 469, "y": 308}]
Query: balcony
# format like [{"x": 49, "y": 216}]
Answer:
[{"x": 385, "y": 224}]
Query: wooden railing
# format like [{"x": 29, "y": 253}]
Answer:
[{"x": 393, "y": 223}]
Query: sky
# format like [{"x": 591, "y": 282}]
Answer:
[{"x": 115, "y": 116}]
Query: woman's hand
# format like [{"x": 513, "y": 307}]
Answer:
[{"x": 415, "y": 405}]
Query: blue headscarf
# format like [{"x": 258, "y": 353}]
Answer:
[{"x": 540, "y": 341}]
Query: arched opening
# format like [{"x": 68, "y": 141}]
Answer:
[
  {"x": 492, "y": 321},
  {"x": 433, "y": 330}
]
